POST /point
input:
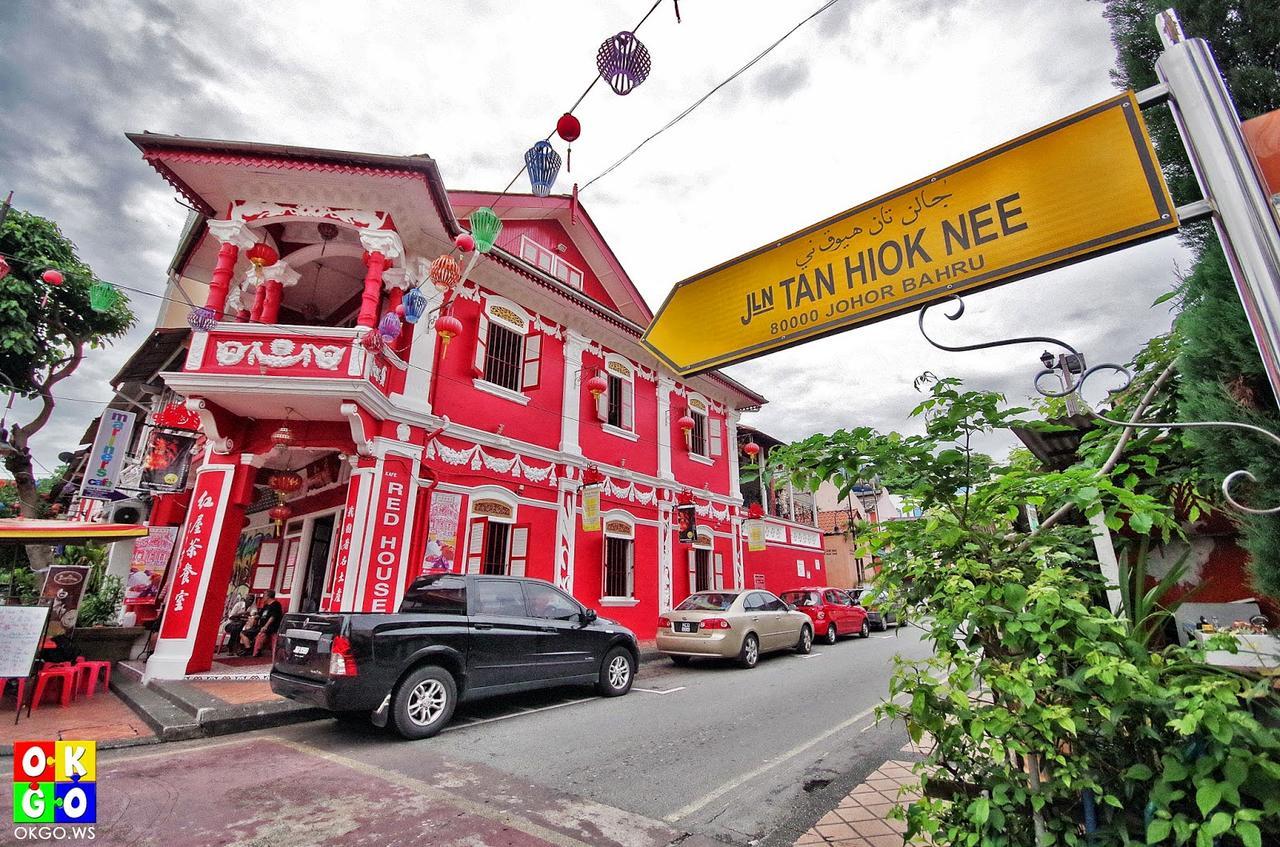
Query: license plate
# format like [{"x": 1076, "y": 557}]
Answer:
[
  {"x": 686, "y": 626},
  {"x": 301, "y": 650}
]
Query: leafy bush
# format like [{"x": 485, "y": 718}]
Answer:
[{"x": 1046, "y": 707}]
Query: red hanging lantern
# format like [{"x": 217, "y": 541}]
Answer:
[
  {"x": 4, "y": 268},
  {"x": 685, "y": 422},
  {"x": 262, "y": 255},
  {"x": 755, "y": 511},
  {"x": 569, "y": 128},
  {"x": 597, "y": 385},
  {"x": 280, "y": 514},
  {"x": 52, "y": 277},
  {"x": 465, "y": 241},
  {"x": 284, "y": 483},
  {"x": 447, "y": 327},
  {"x": 591, "y": 475},
  {"x": 752, "y": 450},
  {"x": 282, "y": 437},
  {"x": 445, "y": 273}
]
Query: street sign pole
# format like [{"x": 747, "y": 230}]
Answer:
[{"x": 1246, "y": 222}]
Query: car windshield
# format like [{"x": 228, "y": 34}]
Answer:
[
  {"x": 802, "y": 598},
  {"x": 866, "y": 595},
  {"x": 712, "y": 602}
]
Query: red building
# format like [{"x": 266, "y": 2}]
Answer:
[{"x": 464, "y": 452}]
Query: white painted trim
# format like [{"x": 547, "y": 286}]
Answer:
[
  {"x": 619, "y": 432},
  {"x": 702, "y": 460},
  {"x": 619, "y": 601},
  {"x": 498, "y": 391}
]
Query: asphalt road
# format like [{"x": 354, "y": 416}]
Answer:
[{"x": 741, "y": 757}]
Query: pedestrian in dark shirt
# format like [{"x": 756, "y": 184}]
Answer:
[{"x": 268, "y": 621}]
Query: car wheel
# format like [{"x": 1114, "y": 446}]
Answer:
[
  {"x": 865, "y": 631},
  {"x": 680, "y": 661},
  {"x": 750, "y": 652},
  {"x": 805, "y": 645},
  {"x": 832, "y": 635},
  {"x": 617, "y": 672},
  {"x": 424, "y": 702}
]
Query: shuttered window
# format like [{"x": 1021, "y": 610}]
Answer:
[
  {"x": 495, "y": 549},
  {"x": 504, "y": 363},
  {"x": 698, "y": 437}
]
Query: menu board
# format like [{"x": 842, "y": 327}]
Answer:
[{"x": 20, "y": 630}]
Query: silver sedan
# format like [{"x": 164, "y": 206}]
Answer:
[{"x": 733, "y": 625}]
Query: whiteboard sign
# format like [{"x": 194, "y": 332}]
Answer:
[{"x": 21, "y": 628}]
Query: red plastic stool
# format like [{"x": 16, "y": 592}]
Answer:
[
  {"x": 87, "y": 675},
  {"x": 64, "y": 672}
]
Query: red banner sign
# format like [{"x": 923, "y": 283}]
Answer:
[
  {"x": 387, "y": 517},
  {"x": 197, "y": 549}
]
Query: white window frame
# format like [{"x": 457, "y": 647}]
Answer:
[
  {"x": 699, "y": 406},
  {"x": 512, "y": 317},
  {"x": 615, "y": 517},
  {"x": 617, "y": 366},
  {"x": 534, "y": 253}
]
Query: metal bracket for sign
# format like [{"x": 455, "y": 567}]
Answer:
[{"x": 1126, "y": 377}]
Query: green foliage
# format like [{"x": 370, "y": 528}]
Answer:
[
  {"x": 1036, "y": 693},
  {"x": 102, "y": 606},
  {"x": 35, "y": 339}
]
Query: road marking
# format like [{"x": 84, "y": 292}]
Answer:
[
  {"x": 767, "y": 766},
  {"x": 887, "y": 636},
  {"x": 656, "y": 691},
  {"x": 518, "y": 714},
  {"x": 808, "y": 655}
]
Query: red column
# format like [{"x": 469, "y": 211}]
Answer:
[
  {"x": 259, "y": 299},
  {"x": 271, "y": 302},
  {"x": 376, "y": 262},
  {"x": 394, "y": 298},
  {"x": 217, "y": 298}
]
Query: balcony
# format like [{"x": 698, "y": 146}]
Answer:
[{"x": 241, "y": 365}]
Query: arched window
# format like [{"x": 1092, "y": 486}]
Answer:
[
  {"x": 616, "y": 406},
  {"x": 508, "y": 349},
  {"x": 618, "y": 581},
  {"x": 496, "y": 544}
]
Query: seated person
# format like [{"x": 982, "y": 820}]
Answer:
[
  {"x": 268, "y": 621},
  {"x": 235, "y": 622}
]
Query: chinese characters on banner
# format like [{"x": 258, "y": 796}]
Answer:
[
  {"x": 193, "y": 556},
  {"x": 338, "y": 579},
  {"x": 146, "y": 569},
  {"x": 591, "y": 508},
  {"x": 442, "y": 532},
  {"x": 389, "y": 537}
]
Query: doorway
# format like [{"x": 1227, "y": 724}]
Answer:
[
  {"x": 317, "y": 563},
  {"x": 495, "y": 549}
]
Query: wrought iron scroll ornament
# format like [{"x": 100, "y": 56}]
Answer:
[{"x": 1125, "y": 375}]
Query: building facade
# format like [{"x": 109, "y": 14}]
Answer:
[{"x": 335, "y": 468}]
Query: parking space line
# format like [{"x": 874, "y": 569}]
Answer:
[
  {"x": 807, "y": 655},
  {"x": 656, "y": 691},
  {"x": 518, "y": 714}
]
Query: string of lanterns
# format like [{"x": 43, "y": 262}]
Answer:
[{"x": 103, "y": 296}]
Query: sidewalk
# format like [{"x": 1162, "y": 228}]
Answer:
[{"x": 862, "y": 818}]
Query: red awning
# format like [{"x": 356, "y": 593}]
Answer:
[{"x": 31, "y": 531}]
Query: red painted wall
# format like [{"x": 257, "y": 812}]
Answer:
[{"x": 549, "y": 234}]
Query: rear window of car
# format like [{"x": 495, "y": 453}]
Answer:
[
  {"x": 802, "y": 598},
  {"x": 867, "y": 595},
  {"x": 436, "y": 595},
  {"x": 714, "y": 602}
]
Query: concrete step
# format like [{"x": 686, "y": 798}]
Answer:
[{"x": 167, "y": 721}]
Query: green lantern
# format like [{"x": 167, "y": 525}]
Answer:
[
  {"x": 103, "y": 296},
  {"x": 485, "y": 226}
]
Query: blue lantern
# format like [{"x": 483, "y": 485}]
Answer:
[
  {"x": 543, "y": 163},
  {"x": 415, "y": 304}
]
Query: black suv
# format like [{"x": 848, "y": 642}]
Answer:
[{"x": 454, "y": 638}]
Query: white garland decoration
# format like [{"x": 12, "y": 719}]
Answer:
[{"x": 476, "y": 458}]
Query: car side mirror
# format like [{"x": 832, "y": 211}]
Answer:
[
  {"x": 791, "y": 607},
  {"x": 589, "y": 616}
]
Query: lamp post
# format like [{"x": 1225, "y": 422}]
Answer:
[{"x": 1068, "y": 365}]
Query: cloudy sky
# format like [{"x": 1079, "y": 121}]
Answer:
[{"x": 868, "y": 96}]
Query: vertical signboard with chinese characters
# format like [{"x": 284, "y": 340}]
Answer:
[
  {"x": 199, "y": 540},
  {"x": 388, "y": 519},
  {"x": 106, "y": 457},
  {"x": 146, "y": 569}
]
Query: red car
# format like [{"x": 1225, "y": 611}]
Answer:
[{"x": 833, "y": 613}]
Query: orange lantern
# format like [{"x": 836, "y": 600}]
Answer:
[{"x": 445, "y": 273}]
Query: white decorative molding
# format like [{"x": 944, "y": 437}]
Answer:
[
  {"x": 209, "y": 426},
  {"x": 257, "y": 210},
  {"x": 664, "y": 558},
  {"x": 382, "y": 241},
  {"x": 280, "y": 353},
  {"x": 566, "y": 534},
  {"x": 805, "y": 537},
  {"x": 281, "y": 273},
  {"x": 232, "y": 232},
  {"x": 395, "y": 278},
  {"x": 195, "y": 352},
  {"x": 364, "y": 446},
  {"x": 476, "y": 458},
  {"x": 619, "y": 432},
  {"x": 403, "y": 431}
]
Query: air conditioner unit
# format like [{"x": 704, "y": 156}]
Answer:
[{"x": 127, "y": 511}]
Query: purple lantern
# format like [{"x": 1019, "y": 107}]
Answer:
[
  {"x": 202, "y": 319},
  {"x": 389, "y": 326},
  {"x": 623, "y": 62}
]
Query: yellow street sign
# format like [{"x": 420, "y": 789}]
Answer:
[{"x": 1083, "y": 185}]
